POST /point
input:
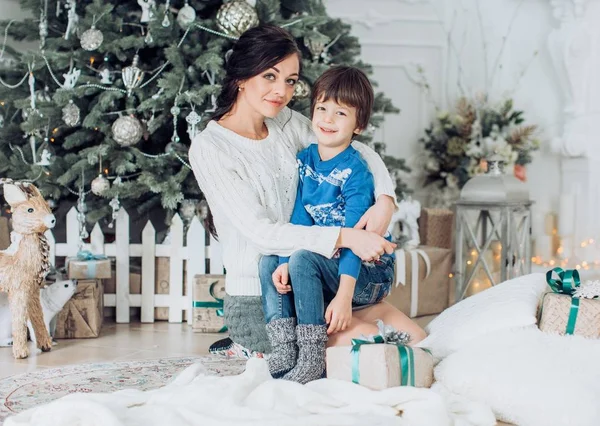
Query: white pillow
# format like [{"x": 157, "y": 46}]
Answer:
[
  {"x": 509, "y": 304},
  {"x": 527, "y": 377}
]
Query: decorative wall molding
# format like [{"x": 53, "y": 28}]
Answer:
[
  {"x": 568, "y": 10},
  {"x": 573, "y": 49},
  {"x": 576, "y": 59},
  {"x": 373, "y": 19},
  {"x": 391, "y": 1},
  {"x": 402, "y": 43}
]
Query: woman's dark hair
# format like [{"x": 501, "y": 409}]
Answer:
[{"x": 257, "y": 50}]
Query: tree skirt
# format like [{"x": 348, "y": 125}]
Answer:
[{"x": 23, "y": 391}]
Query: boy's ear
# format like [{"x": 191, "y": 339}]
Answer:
[{"x": 358, "y": 131}]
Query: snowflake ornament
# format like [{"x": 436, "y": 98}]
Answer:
[{"x": 588, "y": 290}]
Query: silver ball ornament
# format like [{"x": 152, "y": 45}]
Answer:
[
  {"x": 169, "y": 148},
  {"x": 187, "y": 210},
  {"x": 202, "y": 210},
  {"x": 235, "y": 17},
  {"x": 100, "y": 185},
  {"x": 91, "y": 39},
  {"x": 186, "y": 16},
  {"x": 127, "y": 130},
  {"x": 71, "y": 114}
]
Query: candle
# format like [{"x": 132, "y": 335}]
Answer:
[
  {"x": 566, "y": 216},
  {"x": 538, "y": 224},
  {"x": 549, "y": 224},
  {"x": 544, "y": 247},
  {"x": 566, "y": 247}
]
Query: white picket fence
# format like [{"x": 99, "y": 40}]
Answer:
[{"x": 195, "y": 252}]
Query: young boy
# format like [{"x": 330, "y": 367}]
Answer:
[{"x": 335, "y": 189}]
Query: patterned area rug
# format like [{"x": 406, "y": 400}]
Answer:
[{"x": 20, "y": 392}]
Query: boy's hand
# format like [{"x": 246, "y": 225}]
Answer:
[
  {"x": 281, "y": 279},
  {"x": 339, "y": 313}
]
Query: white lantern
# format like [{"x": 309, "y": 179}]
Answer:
[{"x": 493, "y": 231}]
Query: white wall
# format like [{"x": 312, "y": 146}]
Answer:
[
  {"x": 12, "y": 10},
  {"x": 397, "y": 33}
]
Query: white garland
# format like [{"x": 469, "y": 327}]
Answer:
[{"x": 29, "y": 75}]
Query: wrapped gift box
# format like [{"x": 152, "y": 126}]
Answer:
[
  {"x": 414, "y": 292},
  {"x": 555, "y": 312},
  {"x": 135, "y": 281},
  {"x": 162, "y": 284},
  {"x": 380, "y": 366},
  {"x": 82, "y": 316},
  {"x": 207, "y": 312},
  {"x": 82, "y": 269},
  {"x": 435, "y": 227}
]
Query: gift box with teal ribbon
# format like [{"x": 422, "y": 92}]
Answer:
[
  {"x": 207, "y": 304},
  {"x": 87, "y": 265},
  {"x": 378, "y": 362},
  {"x": 570, "y": 307}
]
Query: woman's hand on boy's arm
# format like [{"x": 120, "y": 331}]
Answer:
[
  {"x": 366, "y": 245},
  {"x": 378, "y": 217}
]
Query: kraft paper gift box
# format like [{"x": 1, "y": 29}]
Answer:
[
  {"x": 162, "y": 283},
  {"x": 380, "y": 366},
  {"x": 422, "y": 281},
  {"x": 135, "y": 281},
  {"x": 435, "y": 227},
  {"x": 88, "y": 266},
  {"x": 82, "y": 316},
  {"x": 570, "y": 308},
  {"x": 207, "y": 305}
]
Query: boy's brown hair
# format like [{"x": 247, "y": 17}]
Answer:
[{"x": 346, "y": 86}]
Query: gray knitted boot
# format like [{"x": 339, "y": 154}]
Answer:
[
  {"x": 282, "y": 334},
  {"x": 312, "y": 342},
  {"x": 246, "y": 322}
]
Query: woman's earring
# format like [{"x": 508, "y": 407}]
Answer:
[{"x": 239, "y": 88}]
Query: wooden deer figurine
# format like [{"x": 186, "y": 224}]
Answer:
[{"x": 24, "y": 265}]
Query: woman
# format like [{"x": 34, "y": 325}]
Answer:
[{"x": 244, "y": 162}]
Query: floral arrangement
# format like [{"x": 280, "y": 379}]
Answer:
[{"x": 457, "y": 144}]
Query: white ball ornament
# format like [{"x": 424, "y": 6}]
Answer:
[
  {"x": 127, "y": 130},
  {"x": 100, "y": 185}
]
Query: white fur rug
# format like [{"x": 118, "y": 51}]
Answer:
[
  {"x": 254, "y": 398},
  {"x": 528, "y": 378},
  {"x": 492, "y": 355}
]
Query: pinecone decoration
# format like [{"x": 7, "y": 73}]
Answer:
[
  {"x": 466, "y": 111},
  {"x": 45, "y": 252}
]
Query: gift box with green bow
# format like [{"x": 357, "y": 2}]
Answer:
[
  {"x": 87, "y": 265},
  {"x": 570, "y": 308},
  {"x": 207, "y": 304},
  {"x": 381, "y": 361}
]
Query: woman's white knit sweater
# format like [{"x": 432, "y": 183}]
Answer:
[{"x": 250, "y": 186}]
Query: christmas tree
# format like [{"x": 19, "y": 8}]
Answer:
[{"x": 108, "y": 104}]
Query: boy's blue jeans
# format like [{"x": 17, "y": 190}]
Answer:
[{"x": 315, "y": 282}]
